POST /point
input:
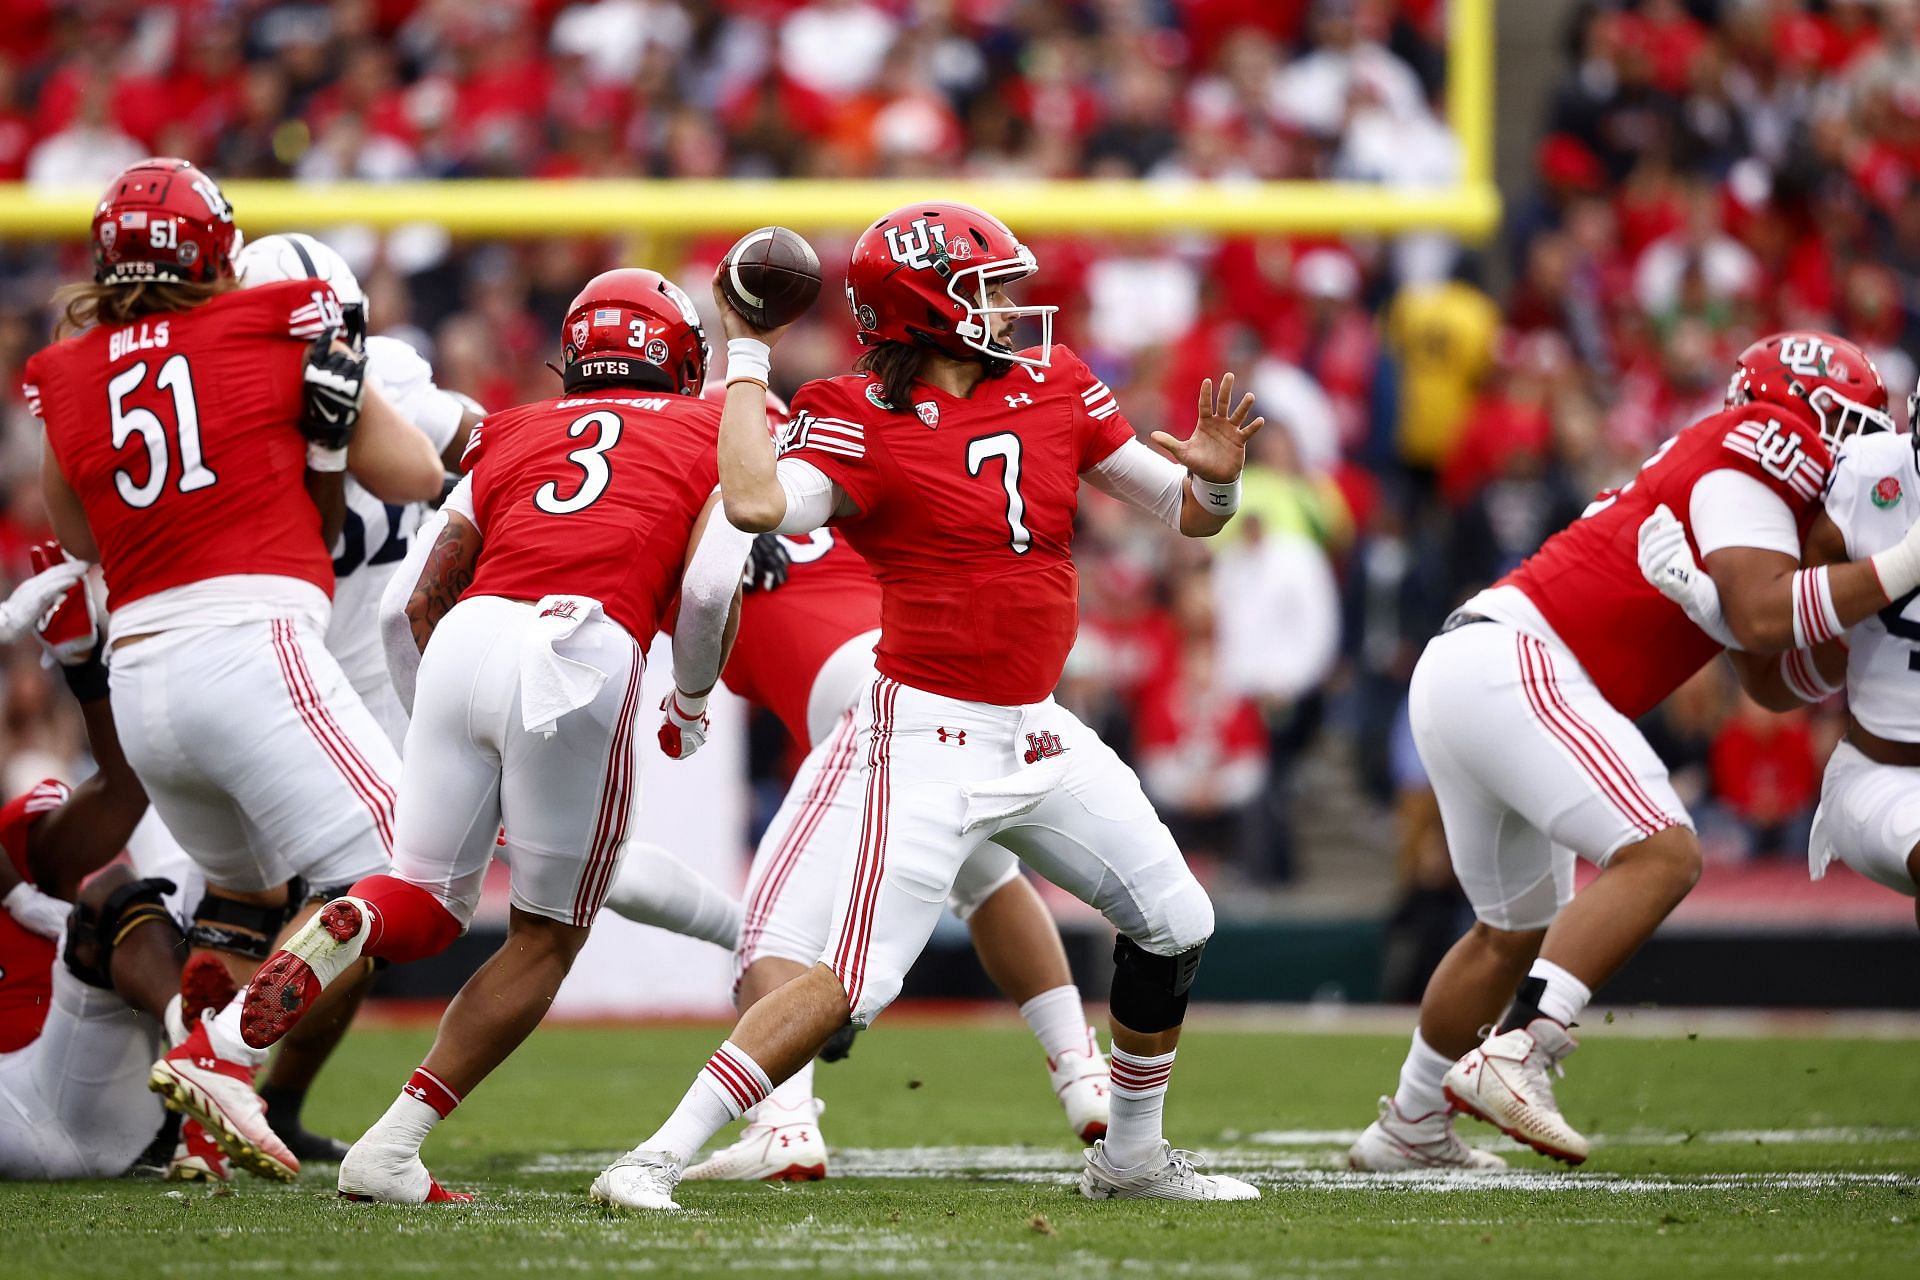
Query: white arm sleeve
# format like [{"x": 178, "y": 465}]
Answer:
[
  {"x": 811, "y": 497},
  {"x": 396, "y": 631},
  {"x": 1732, "y": 509},
  {"x": 706, "y": 596},
  {"x": 1142, "y": 478}
]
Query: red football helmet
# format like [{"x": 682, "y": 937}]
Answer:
[
  {"x": 633, "y": 327},
  {"x": 922, "y": 274},
  {"x": 163, "y": 219},
  {"x": 1829, "y": 375}
]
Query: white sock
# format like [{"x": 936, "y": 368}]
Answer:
[
  {"x": 1420, "y": 1075},
  {"x": 223, "y": 1032},
  {"x": 406, "y": 1124},
  {"x": 1138, "y": 1098},
  {"x": 790, "y": 1101},
  {"x": 654, "y": 887},
  {"x": 726, "y": 1087},
  {"x": 1566, "y": 996},
  {"x": 1059, "y": 1021}
]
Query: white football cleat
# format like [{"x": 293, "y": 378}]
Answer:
[
  {"x": 195, "y": 1081},
  {"x": 1393, "y": 1144},
  {"x": 1174, "y": 1176},
  {"x": 638, "y": 1180},
  {"x": 1082, "y": 1082},
  {"x": 391, "y": 1175},
  {"x": 1505, "y": 1082},
  {"x": 783, "y": 1147}
]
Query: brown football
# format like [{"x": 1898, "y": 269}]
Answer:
[{"x": 770, "y": 276}]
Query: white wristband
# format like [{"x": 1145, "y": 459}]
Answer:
[
  {"x": 1802, "y": 675},
  {"x": 748, "y": 360},
  {"x": 687, "y": 706},
  {"x": 1220, "y": 499},
  {"x": 1898, "y": 568},
  {"x": 321, "y": 458},
  {"x": 1815, "y": 619}
]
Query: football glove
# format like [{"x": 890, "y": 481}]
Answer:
[
  {"x": 685, "y": 728},
  {"x": 334, "y": 385},
  {"x": 767, "y": 564},
  {"x": 55, "y": 594},
  {"x": 1667, "y": 562}
]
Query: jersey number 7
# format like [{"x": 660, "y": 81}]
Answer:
[{"x": 1006, "y": 447}]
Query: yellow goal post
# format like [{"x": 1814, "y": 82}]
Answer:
[{"x": 672, "y": 208}]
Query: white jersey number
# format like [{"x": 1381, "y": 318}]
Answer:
[
  {"x": 176, "y": 376},
  {"x": 1901, "y": 627},
  {"x": 592, "y": 461},
  {"x": 1005, "y": 446}
]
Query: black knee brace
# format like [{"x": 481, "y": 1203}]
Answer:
[
  {"x": 241, "y": 928},
  {"x": 133, "y": 904},
  {"x": 1150, "y": 991}
]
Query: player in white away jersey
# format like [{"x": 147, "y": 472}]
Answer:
[
  {"x": 377, "y": 534},
  {"x": 1869, "y": 814}
]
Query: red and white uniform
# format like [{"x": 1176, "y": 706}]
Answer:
[
  {"x": 966, "y": 511},
  {"x": 1525, "y": 721},
  {"x": 178, "y": 434},
  {"x": 526, "y": 697},
  {"x": 26, "y": 958},
  {"x": 805, "y": 653},
  {"x": 74, "y": 1101}
]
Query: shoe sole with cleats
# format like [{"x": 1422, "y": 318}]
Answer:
[
  {"x": 183, "y": 1095},
  {"x": 1546, "y": 1148}
]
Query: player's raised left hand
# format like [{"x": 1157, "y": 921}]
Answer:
[
  {"x": 1217, "y": 449},
  {"x": 55, "y": 579}
]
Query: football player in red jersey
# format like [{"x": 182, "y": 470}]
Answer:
[
  {"x": 195, "y": 434},
  {"x": 805, "y": 653},
  {"x": 578, "y": 521},
  {"x": 953, "y": 464},
  {"x": 73, "y": 1080},
  {"x": 1523, "y": 707}
]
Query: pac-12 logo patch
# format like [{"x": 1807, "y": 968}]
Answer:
[
  {"x": 1887, "y": 492},
  {"x": 929, "y": 412}
]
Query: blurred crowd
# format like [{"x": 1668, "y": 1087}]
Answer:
[{"x": 1709, "y": 169}]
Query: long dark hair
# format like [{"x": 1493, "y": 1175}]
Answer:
[
  {"x": 896, "y": 364},
  {"x": 86, "y": 304}
]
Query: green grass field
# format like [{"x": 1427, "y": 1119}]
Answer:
[{"x": 1714, "y": 1158}]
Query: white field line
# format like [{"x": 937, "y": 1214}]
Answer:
[
  {"x": 1631, "y": 1023},
  {"x": 1631, "y": 1138},
  {"x": 1049, "y": 1166}
]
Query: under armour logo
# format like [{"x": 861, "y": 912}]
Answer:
[
  {"x": 1042, "y": 746},
  {"x": 414, "y": 1091},
  {"x": 1014, "y": 402},
  {"x": 956, "y": 736}
]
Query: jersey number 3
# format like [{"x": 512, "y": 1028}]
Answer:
[
  {"x": 175, "y": 376},
  {"x": 592, "y": 461},
  {"x": 1006, "y": 447}
]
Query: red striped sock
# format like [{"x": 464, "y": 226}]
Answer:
[
  {"x": 432, "y": 1090},
  {"x": 737, "y": 1078},
  {"x": 1138, "y": 1097},
  {"x": 726, "y": 1087}
]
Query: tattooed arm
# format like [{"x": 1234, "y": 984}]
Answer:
[
  {"x": 438, "y": 568},
  {"x": 446, "y": 576}
]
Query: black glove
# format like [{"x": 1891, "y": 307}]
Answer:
[
  {"x": 334, "y": 387},
  {"x": 766, "y": 564}
]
